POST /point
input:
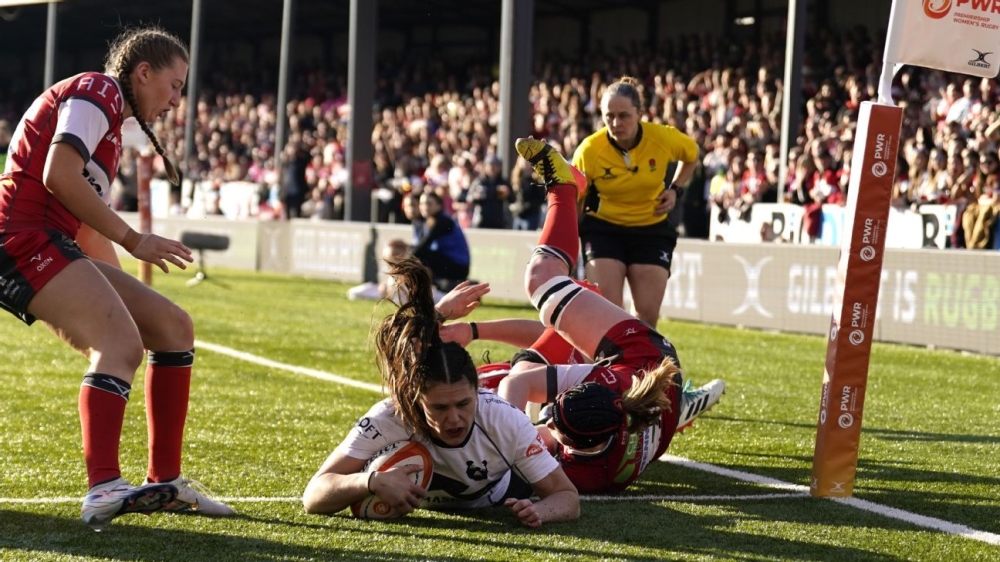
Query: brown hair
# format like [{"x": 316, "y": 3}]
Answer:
[
  {"x": 629, "y": 87},
  {"x": 646, "y": 401},
  {"x": 144, "y": 44},
  {"x": 408, "y": 348},
  {"x": 591, "y": 413}
]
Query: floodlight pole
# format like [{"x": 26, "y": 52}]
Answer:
[
  {"x": 285, "y": 56},
  {"x": 50, "y": 46},
  {"x": 192, "y": 87},
  {"x": 791, "y": 99}
]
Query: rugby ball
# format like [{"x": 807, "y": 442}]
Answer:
[{"x": 401, "y": 453}]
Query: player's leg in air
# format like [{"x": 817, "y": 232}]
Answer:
[{"x": 581, "y": 316}]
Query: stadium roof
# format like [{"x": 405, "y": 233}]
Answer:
[{"x": 239, "y": 19}]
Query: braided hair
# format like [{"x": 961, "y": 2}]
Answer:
[
  {"x": 160, "y": 49},
  {"x": 408, "y": 347}
]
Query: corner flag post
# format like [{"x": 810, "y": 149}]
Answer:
[{"x": 951, "y": 35}]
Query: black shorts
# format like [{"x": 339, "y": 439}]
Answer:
[
  {"x": 28, "y": 260},
  {"x": 653, "y": 244}
]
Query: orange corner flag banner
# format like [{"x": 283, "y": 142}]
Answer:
[
  {"x": 855, "y": 301},
  {"x": 953, "y": 35}
]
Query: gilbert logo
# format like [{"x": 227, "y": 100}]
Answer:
[
  {"x": 752, "y": 298},
  {"x": 937, "y": 9},
  {"x": 980, "y": 60}
]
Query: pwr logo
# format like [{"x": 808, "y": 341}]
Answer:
[{"x": 937, "y": 9}]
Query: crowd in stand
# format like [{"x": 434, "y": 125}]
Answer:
[{"x": 436, "y": 129}]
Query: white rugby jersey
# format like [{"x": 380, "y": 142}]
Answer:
[{"x": 473, "y": 474}]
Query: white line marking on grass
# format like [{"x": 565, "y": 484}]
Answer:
[
  {"x": 314, "y": 373},
  {"x": 885, "y": 511},
  {"x": 289, "y": 499},
  {"x": 798, "y": 489},
  {"x": 681, "y": 499}
]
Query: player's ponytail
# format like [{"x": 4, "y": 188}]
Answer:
[
  {"x": 160, "y": 49},
  {"x": 408, "y": 347},
  {"x": 646, "y": 401}
]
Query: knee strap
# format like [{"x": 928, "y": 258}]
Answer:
[
  {"x": 552, "y": 251},
  {"x": 552, "y": 298}
]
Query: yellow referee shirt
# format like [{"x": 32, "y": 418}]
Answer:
[{"x": 628, "y": 182}]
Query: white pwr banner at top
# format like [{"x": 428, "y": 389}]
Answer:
[{"x": 953, "y": 35}]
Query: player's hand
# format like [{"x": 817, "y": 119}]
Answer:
[
  {"x": 462, "y": 300},
  {"x": 665, "y": 202},
  {"x": 397, "y": 489},
  {"x": 457, "y": 332},
  {"x": 158, "y": 250},
  {"x": 525, "y": 511}
]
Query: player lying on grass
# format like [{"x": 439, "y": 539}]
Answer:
[{"x": 485, "y": 451}]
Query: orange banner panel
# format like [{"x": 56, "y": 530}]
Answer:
[{"x": 858, "y": 276}]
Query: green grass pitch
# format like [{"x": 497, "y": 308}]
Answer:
[{"x": 256, "y": 433}]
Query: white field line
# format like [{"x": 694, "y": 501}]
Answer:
[
  {"x": 886, "y": 511},
  {"x": 792, "y": 490},
  {"x": 316, "y": 374},
  {"x": 289, "y": 499}
]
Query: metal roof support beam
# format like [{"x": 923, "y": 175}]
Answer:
[
  {"x": 50, "y": 46},
  {"x": 791, "y": 104},
  {"x": 194, "y": 66},
  {"x": 360, "y": 96},
  {"x": 516, "y": 34},
  {"x": 285, "y": 58}
]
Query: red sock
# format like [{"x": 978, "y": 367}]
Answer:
[
  {"x": 102, "y": 411},
  {"x": 168, "y": 385},
  {"x": 560, "y": 230}
]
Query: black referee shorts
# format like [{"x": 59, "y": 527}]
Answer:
[{"x": 653, "y": 244}]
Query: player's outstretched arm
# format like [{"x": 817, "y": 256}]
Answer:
[
  {"x": 518, "y": 332},
  {"x": 341, "y": 481},
  {"x": 560, "y": 501}
]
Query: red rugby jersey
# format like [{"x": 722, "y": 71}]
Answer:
[
  {"x": 84, "y": 111},
  {"x": 629, "y": 454}
]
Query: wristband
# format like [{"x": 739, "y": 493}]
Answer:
[
  {"x": 131, "y": 240},
  {"x": 475, "y": 330},
  {"x": 679, "y": 189},
  {"x": 369, "y": 485}
]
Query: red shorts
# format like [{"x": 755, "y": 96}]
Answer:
[
  {"x": 28, "y": 260},
  {"x": 631, "y": 345}
]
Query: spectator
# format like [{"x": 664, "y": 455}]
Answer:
[
  {"x": 125, "y": 191},
  {"x": 441, "y": 245},
  {"x": 488, "y": 196},
  {"x": 294, "y": 186},
  {"x": 980, "y": 215},
  {"x": 386, "y": 287},
  {"x": 528, "y": 198}
]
